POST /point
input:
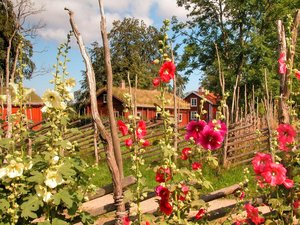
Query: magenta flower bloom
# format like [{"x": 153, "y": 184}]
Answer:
[
  {"x": 288, "y": 183},
  {"x": 194, "y": 130},
  {"x": 210, "y": 138},
  {"x": 260, "y": 161},
  {"x": 286, "y": 133},
  {"x": 217, "y": 125},
  {"x": 274, "y": 174}
]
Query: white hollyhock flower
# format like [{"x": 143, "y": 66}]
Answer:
[
  {"x": 42, "y": 192},
  {"x": 47, "y": 196},
  {"x": 53, "y": 178},
  {"x": 55, "y": 159},
  {"x": 14, "y": 169},
  {"x": 52, "y": 98},
  {"x": 3, "y": 172}
]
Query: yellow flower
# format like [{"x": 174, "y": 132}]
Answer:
[
  {"x": 53, "y": 178},
  {"x": 52, "y": 99},
  {"x": 70, "y": 82},
  {"x": 14, "y": 169}
]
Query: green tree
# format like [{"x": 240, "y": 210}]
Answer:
[{"x": 245, "y": 34}]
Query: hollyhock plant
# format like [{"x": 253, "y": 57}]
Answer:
[
  {"x": 196, "y": 166},
  {"x": 128, "y": 142},
  {"x": 156, "y": 82},
  {"x": 260, "y": 161},
  {"x": 282, "y": 63},
  {"x": 163, "y": 175},
  {"x": 194, "y": 130},
  {"x": 167, "y": 71},
  {"x": 122, "y": 127},
  {"x": 165, "y": 207},
  {"x": 184, "y": 191},
  {"x": 200, "y": 214},
  {"x": 210, "y": 138},
  {"x": 286, "y": 133},
  {"x": 184, "y": 153},
  {"x": 141, "y": 129},
  {"x": 274, "y": 174},
  {"x": 218, "y": 126},
  {"x": 252, "y": 214}
]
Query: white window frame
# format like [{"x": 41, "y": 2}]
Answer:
[
  {"x": 192, "y": 101},
  {"x": 193, "y": 115},
  {"x": 116, "y": 114},
  {"x": 104, "y": 98},
  {"x": 179, "y": 117}
]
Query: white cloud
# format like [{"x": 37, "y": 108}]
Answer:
[{"x": 87, "y": 16}]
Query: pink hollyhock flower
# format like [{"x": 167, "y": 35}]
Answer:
[
  {"x": 126, "y": 220},
  {"x": 286, "y": 133},
  {"x": 156, "y": 82},
  {"x": 200, "y": 214},
  {"x": 196, "y": 166},
  {"x": 167, "y": 71},
  {"x": 128, "y": 142},
  {"x": 274, "y": 174},
  {"x": 252, "y": 214},
  {"x": 260, "y": 161},
  {"x": 141, "y": 129},
  {"x": 282, "y": 63},
  {"x": 218, "y": 126},
  {"x": 162, "y": 192},
  {"x": 122, "y": 127},
  {"x": 288, "y": 183},
  {"x": 163, "y": 175},
  {"x": 284, "y": 146},
  {"x": 297, "y": 74},
  {"x": 194, "y": 129},
  {"x": 184, "y": 191},
  {"x": 165, "y": 207},
  {"x": 184, "y": 153},
  {"x": 210, "y": 138}
]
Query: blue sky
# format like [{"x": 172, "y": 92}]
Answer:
[{"x": 55, "y": 18}]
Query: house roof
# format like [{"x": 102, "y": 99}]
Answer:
[
  {"x": 210, "y": 97},
  {"x": 34, "y": 99},
  {"x": 147, "y": 98}
]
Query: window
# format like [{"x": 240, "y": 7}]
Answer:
[
  {"x": 104, "y": 98},
  {"x": 158, "y": 116},
  {"x": 116, "y": 113},
  {"x": 193, "y": 115},
  {"x": 180, "y": 117},
  {"x": 193, "y": 101},
  {"x": 139, "y": 114}
]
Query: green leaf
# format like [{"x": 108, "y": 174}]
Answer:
[
  {"x": 66, "y": 170},
  {"x": 37, "y": 177},
  {"x": 31, "y": 206},
  {"x": 59, "y": 222},
  {"x": 4, "y": 205},
  {"x": 64, "y": 196}
]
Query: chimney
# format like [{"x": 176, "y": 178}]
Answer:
[{"x": 123, "y": 86}]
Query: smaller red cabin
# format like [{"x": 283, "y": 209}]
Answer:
[
  {"x": 33, "y": 108},
  {"x": 146, "y": 103},
  {"x": 210, "y": 104}
]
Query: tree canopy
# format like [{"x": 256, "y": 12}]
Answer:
[{"x": 244, "y": 33}]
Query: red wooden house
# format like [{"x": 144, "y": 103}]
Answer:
[
  {"x": 210, "y": 104},
  {"x": 33, "y": 108},
  {"x": 146, "y": 102}
]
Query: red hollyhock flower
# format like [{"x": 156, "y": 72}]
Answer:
[
  {"x": 242, "y": 196},
  {"x": 260, "y": 161},
  {"x": 141, "y": 129},
  {"x": 274, "y": 174},
  {"x": 196, "y": 166},
  {"x": 297, "y": 74},
  {"x": 156, "y": 82},
  {"x": 126, "y": 220},
  {"x": 122, "y": 127},
  {"x": 165, "y": 207},
  {"x": 200, "y": 214},
  {"x": 194, "y": 130},
  {"x": 184, "y": 153},
  {"x": 128, "y": 142},
  {"x": 286, "y": 133},
  {"x": 167, "y": 71},
  {"x": 145, "y": 143},
  {"x": 210, "y": 138},
  {"x": 252, "y": 214},
  {"x": 162, "y": 192},
  {"x": 282, "y": 64},
  {"x": 163, "y": 175},
  {"x": 296, "y": 204},
  {"x": 288, "y": 183},
  {"x": 147, "y": 223}
]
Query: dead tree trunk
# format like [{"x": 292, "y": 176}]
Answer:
[
  {"x": 105, "y": 136},
  {"x": 113, "y": 128}
]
